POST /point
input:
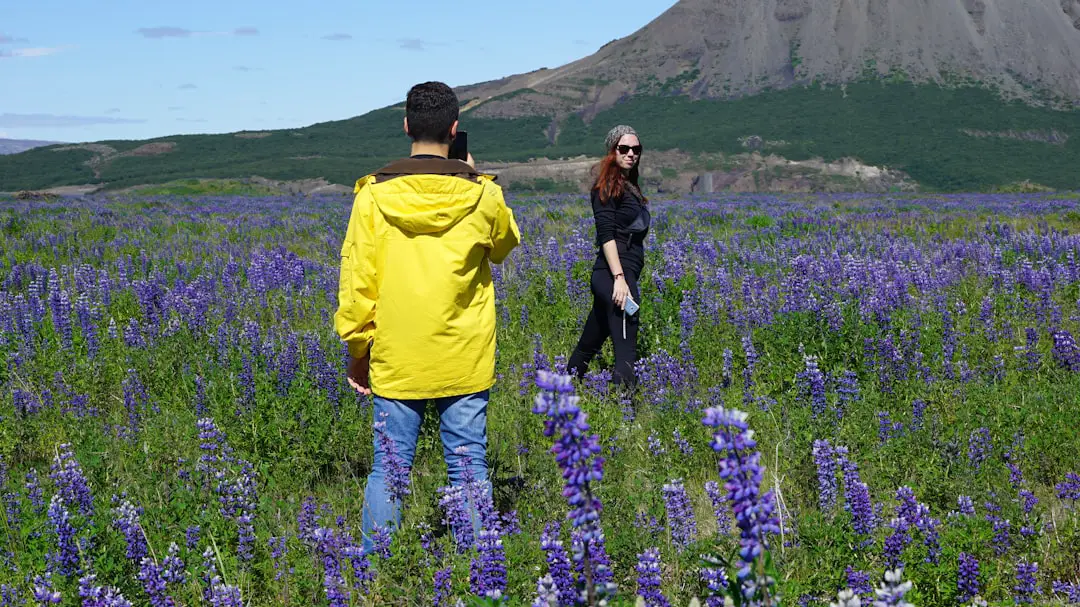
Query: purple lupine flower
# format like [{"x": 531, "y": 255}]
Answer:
[
  {"x": 896, "y": 542},
  {"x": 65, "y": 559},
  {"x": 1071, "y": 590},
  {"x": 684, "y": 445},
  {"x": 397, "y": 472},
  {"x": 1002, "y": 540},
  {"x": 716, "y": 581},
  {"x": 1066, "y": 352},
  {"x": 858, "y": 581},
  {"x": 847, "y": 391},
  {"x": 656, "y": 448},
  {"x": 136, "y": 402},
  {"x": 86, "y": 325},
  {"x": 201, "y": 408},
  {"x": 1028, "y": 501},
  {"x": 726, "y": 374},
  {"x": 649, "y": 524},
  {"x": 811, "y": 383},
  {"x": 648, "y": 568},
  {"x": 288, "y": 363},
  {"x": 748, "y": 371},
  {"x": 741, "y": 469},
  {"x": 967, "y": 578},
  {"x": 487, "y": 576},
  {"x": 1069, "y": 489},
  {"x": 442, "y": 587},
  {"x": 856, "y": 495},
  {"x": 247, "y": 385},
  {"x": 26, "y": 404},
  {"x": 888, "y": 429},
  {"x": 454, "y": 503},
  {"x": 99, "y": 596},
  {"x": 918, "y": 412},
  {"x": 278, "y": 554},
  {"x": 680, "y": 514},
  {"x": 191, "y": 537},
  {"x": 381, "y": 538},
  {"x": 43, "y": 591},
  {"x": 964, "y": 503},
  {"x": 979, "y": 447},
  {"x": 61, "y": 310},
  {"x": 577, "y": 452},
  {"x": 720, "y": 508},
  {"x": 71, "y": 483},
  {"x": 172, "y": 567},
  {"x": 598, "y": 558},
  {"x": 598, "y": 383},
  {"x": 154, "y": 584},
  {"x": 558, "y": 564},
  {"x": 547, "y": 594},
  {"x": 825, "y": 461},
  {"x": 1031, "y": 349},
  {"x": 1027, "y": 586},
  {"x": 126, "y": 521},
  {"x": 224, "y": 595},
  {"x": 327, "y": 544},
  {"x": 9, "y": 596}
]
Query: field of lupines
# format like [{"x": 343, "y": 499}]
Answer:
[{"x": 866, "y": 396}]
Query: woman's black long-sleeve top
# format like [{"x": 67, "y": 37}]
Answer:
[{"x": 625, "y": 220}]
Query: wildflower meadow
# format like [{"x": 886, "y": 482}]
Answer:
[{"x": 843, "y": 400}]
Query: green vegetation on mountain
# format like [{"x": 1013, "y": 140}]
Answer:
[{"x": 963, "y": 138}]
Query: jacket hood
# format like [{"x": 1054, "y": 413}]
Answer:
[{"x": 425, "y": 195}]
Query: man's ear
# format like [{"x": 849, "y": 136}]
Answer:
[
  {"x": 407, "y": 126},
  {"x": 453, "y": 129}
]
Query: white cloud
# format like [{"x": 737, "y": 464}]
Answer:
[{"x": 42, "y": 51}]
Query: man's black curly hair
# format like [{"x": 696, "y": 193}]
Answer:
[{"x": 432, "y": 108}]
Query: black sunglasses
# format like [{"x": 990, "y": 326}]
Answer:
[{"x": 625, "y": 149}]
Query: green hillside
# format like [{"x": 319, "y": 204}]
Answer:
[{"x": 918, "y": 129}]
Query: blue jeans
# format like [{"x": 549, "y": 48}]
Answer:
[{"x": 463, "y": 426}]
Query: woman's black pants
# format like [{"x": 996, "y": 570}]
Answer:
[{"x": 607, "y": 320}]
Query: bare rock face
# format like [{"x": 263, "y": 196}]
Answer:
[{"x": 721, "y": 48}]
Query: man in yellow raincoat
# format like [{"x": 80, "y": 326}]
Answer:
[{"x": 416, "y": 304}]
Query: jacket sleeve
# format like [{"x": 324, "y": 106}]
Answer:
[
  {"x": 358, "y": 293},
  {"x": 504, "y": 230},
  {"x": 605, "y": 218}
]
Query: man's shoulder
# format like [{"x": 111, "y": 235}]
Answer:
[{"x": 429, "y": 166}]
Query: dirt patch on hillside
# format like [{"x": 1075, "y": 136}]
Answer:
[
  {"x": 253, "y": 135},
  {"x": 151, "y": 149},
  {"x": 1052, "y": 136},
  {"x": 104, "y": 154}
]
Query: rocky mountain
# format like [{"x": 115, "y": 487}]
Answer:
[
  {"x": 14, "y": 146},
  {"x": 723, "y": 48}
]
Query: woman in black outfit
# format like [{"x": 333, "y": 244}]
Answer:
[{"x": 622, "y": 222}]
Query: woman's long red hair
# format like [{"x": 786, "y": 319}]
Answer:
[{"x": 610, "y": 179}]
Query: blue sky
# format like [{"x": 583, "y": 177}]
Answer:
[{"x": 135, "y": 69}]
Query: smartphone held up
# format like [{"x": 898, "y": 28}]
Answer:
[{"x": 459, "y": 147}]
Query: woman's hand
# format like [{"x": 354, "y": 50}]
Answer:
[{"x": 620, "y": 292}]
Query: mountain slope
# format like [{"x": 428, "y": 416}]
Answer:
[{"x": 954, "y": 92}]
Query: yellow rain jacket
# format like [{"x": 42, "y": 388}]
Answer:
[{"x": 415, "y": 289}]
